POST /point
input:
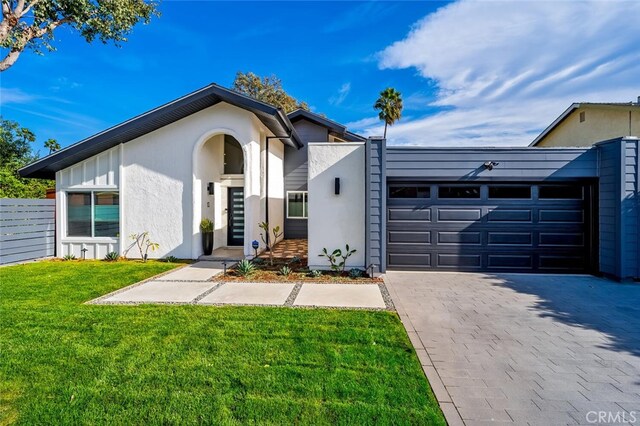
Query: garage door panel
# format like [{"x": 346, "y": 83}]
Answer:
[
  {"x": 446, "y": 260},
  {"x": 565, "y": 216},
  {"x": 410, "y": 260},
  {"x": 507, "y": 261},
  {"x": 460, "y": 238},
  {"x": 459, "y": 215},
  {"x": 562, "y": 239},
  {"x": 490, "y": 233},
  {"x": 409, "y": 237},
  {"x": 413, "y": 214},
  {"x": 509, "y": 215},
  {"x": 510, "y": 238}
]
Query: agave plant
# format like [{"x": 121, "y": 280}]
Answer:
[
  {"x": 245, "y": 268},
  {"x": 356, "y": 273},
  {"x": 285, "y": 271},
  {"x": 111, "y": 256},
  {"x": 314, "y": 273},
  {"x": 171, "y": 259},
  {"x": 69, "y": 257}
]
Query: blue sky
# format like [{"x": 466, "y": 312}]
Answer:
[{"x": 471, "y": 72}]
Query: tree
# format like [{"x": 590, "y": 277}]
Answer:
[
  {"x": 390, "y": 106},
  {"x": 16, "y": 152},
  {"x": 52, "y": 144},
  {"x": 266, "y": 89},
  {"x": 29, "y": 24}
]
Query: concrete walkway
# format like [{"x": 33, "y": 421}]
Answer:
[
  {"x": 525, "y": 349},
  {"x": 193, "y": 285}
]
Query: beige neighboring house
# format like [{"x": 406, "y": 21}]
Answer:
[{"x": 583, "y": 124}]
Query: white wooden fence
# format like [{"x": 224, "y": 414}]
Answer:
[{"x": 27, "y": 229}]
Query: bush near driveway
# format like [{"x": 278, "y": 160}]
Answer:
[{"x": 65, "y": 362}]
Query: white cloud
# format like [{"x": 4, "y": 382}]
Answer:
[
  {"x": 14, "y": 96},
  {"x": 342, "y": 94},
  {"x": 505, "y": 70}
]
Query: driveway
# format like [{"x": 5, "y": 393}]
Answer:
[{"x": 525, "y": 349}]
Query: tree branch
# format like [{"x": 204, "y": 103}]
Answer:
[{"x": 10, "y": 59}]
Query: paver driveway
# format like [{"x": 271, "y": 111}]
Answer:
[{"x": 528, "y": 349}]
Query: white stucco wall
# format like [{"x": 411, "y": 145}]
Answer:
[
  {"x": 165, "y": 177},
  {"x": 276, "y": 184},
  {"x": 336, "y": 220},
  {"x": 98, "y": 173}
]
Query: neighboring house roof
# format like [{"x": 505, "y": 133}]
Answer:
[
  {"x": 333, "y": 126},
  {"x": 273, "y": 118},
  {"x": 576, "y": 106}
]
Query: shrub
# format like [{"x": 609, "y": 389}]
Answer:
[
  {"x": 143, "y": 243},
  {"x": 171, "y": 259},
  {"x": 111, "y": 256},
  {"x": 315, "y": 273},
  {"x": 268, "y": 242},
  {"x": 257, "y": 261},
  {"x": 285, "y": 271},
  {"x": 356, "y": 273},
  {"x": 206, "y": 225},
  {"x": 295, "y": 259},
  {"x": 245, "y": 268},
  {"x": 69, "y": 257},
  {"x": 333, "y": 257}
]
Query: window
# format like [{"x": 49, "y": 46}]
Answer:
[
  {"x": 409, "y": 191},
  {"x": 514, "y": 192},
  {"x": 233, "y": 156},
  {"x": 297, "y": 205},
  {"x": 582, "y": 116},
  {"x": 560, "y": 192},
  {"x": 459, "y": 192},
  {"x": 93, "y": 214}
]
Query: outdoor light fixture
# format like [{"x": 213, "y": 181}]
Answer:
[
  {"x": 84, "y": 253},
  {"x": 255, "y": 244},
  {"x": 489, "y": 165},
  {"x": 210, "y": 188},
  {"x": 337, "y": 186}
]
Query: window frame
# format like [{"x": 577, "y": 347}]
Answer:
[
  {"x": 499, "y": 186},
  {"x": 440, "y": 187},
  {"x": 91, "y": 193},
  {"x": 305, "y": 210},
  {"x": 416, "y": 185}
]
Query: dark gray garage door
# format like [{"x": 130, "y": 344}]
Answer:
[{"x": 490, "y": 227}]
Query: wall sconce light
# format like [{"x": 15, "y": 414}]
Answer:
[
  {"x": 337, "y": 186},
  {"x": 210, "y": 188},
  {"x": 489, "y": 165}
]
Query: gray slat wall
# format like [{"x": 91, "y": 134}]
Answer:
[
  {"x": 296, "y": 172},
  {"x": 376, "y": 208},
  {"x": 27, "y": 229}
]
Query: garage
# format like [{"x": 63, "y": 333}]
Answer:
[{"x": 491, "y": 226}]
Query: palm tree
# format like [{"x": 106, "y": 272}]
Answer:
[
  {"x": 52, "y": 144},
  {"x": 390, "y": 106}
]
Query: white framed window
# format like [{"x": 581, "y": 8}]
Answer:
[
  {"x": 297, "y": 204},
  {"x": 93, "y": 214}
]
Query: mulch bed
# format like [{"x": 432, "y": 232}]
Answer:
[{"x": 267, "y": 273}]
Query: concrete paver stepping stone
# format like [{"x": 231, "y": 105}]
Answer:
[
  {"x": 163, "y": 291},
  {"x": 249, "y": 294},
  {"x": 199, "y": 271},
  {"x": 340, "y": 295}
]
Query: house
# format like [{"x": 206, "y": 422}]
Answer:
[
  {"x": 217, "y": 154},
  {"x": 583, "y": 124}
]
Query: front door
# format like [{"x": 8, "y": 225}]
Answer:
[{"x": 235, "y": 217}]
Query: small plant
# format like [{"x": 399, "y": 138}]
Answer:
[
  {"x": 206, "y": 225},
  {"x": 112, "y": 256},
  {"x": 171, "y": 259},
  {"x": 245, "y": 268},
  {"x": 285, "y": 271},
  {"x": 334, "y": 257},
  {"x": 314, "y": 273},
  {"x": 143, "y": 242},
  {"x": 69, "y": 257},
  {"x": 257, "y": 261},
  {"x": 266, "y": 238},
  {"x": 356, "y": 273},
  {"x": 295, "y": 259}
]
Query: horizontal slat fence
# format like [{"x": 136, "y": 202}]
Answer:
[{"x": 27, "y": 229}]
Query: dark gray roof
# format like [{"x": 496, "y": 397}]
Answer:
[
  {"x": 333, "y": 126},
  {"x": 273, "y": 118}
]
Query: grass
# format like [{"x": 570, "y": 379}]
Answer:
[{"x": 64, "y": 362}]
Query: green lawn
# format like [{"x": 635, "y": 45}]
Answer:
[{"x": 63, "y": 362}]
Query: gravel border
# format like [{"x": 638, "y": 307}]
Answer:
[{"x": 293, "y": 295}]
